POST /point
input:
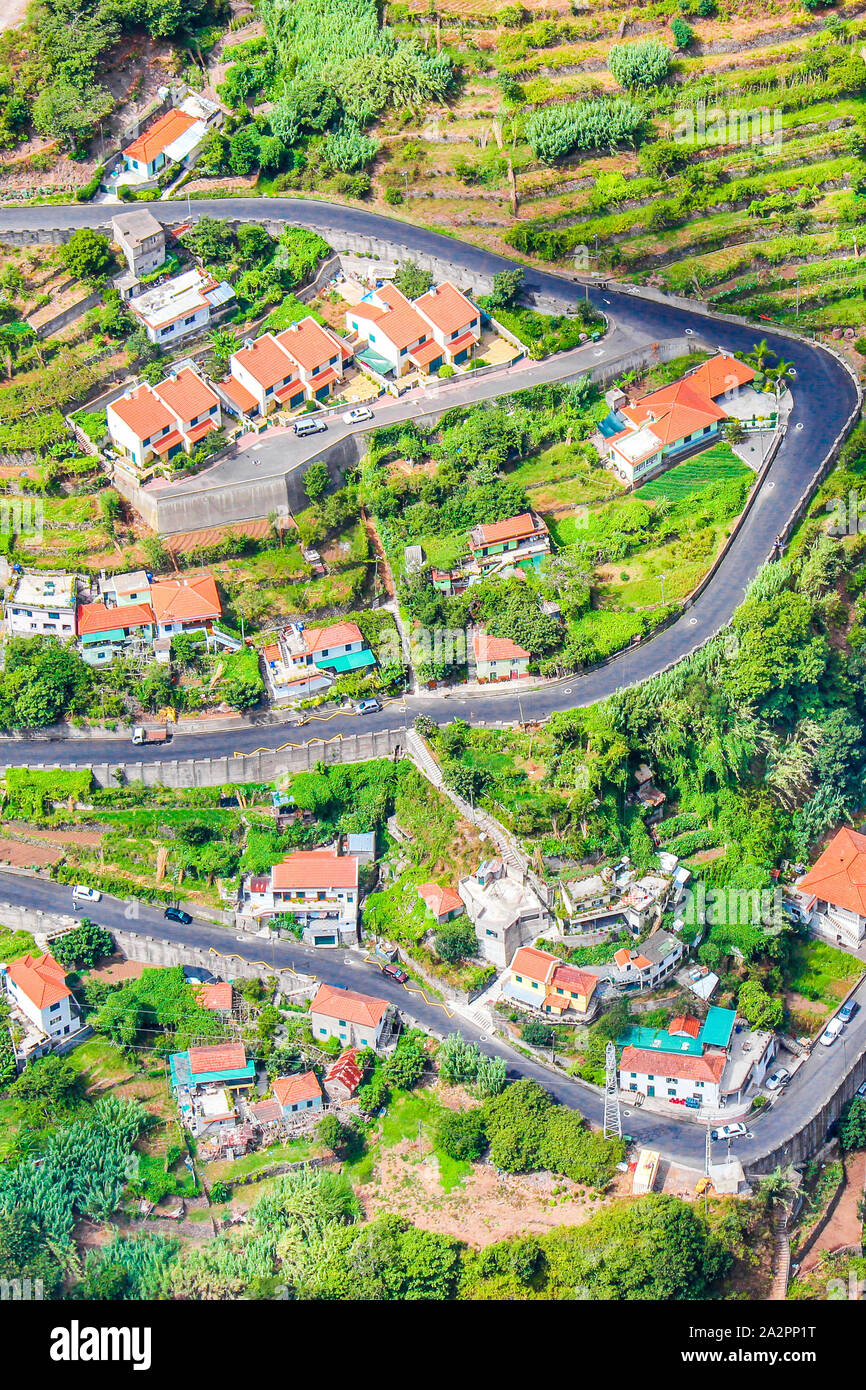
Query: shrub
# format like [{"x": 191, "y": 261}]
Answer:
[
  {"x": 683, "y": 33},
  {"x": 642, "y": 64},
  {"x": 584, "y": 125},
  {"x": 461, "y": 1134}
]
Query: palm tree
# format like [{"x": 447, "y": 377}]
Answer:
[
  {"x": 223, "y": 344},
  {"x": 781, "y": 374},
  {"x": 760, "y": 355}
]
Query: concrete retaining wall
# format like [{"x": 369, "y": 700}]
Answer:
[{"x": 155, "y": 950}]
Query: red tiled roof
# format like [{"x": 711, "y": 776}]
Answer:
[
  {"x": 95, "y": 617},
  {"x": 528, "y": 960},
  {"x": 41, "y": 978},
  {"x": 239, "y": 395},
  {"x": 308, "y": 343},
  {"x": 291, "y": 1089},
  {"x": 282, "y": 393},
  {"x": 576, "y": 981},
  {"x": 323, "y": 378},
  {"x": 446, "y": 308},
  {"x": 265, "y": 361},
  {"x": 185, "y": 600},
  {"x": 161, "y": 134},
  {"x": 440, "y": 900},
  {"x": 319, "y": 639},
  {"x": 707, "y": 1068},
  {"x": 399, "y": 321},
  {"x": 315, "y": 868},
  {"x": 838, "y": 876},
  {"x": 227, "y": 1057},
  {"x": 674, "y": 411},
  {"x": 199, "y": 431},
  {"x": 487, "y": 648},
  {"x": 218, "y": 996},
  {"x": 515, "y": 528},
  {"x": 425, "y": 354},
  {"x": 363, "y": 1009},
  {"x": 267, "y": 1112},
  {"x": 458, "y": 344},
  {"x": 186, "y": 395},
  {"x": 721, "y": 374},
  {"x": 142, "y": 412},
  {"x": 683, "y": 1024},
  {"x": 168, "y": 441},
  {"x": 345, "y": 1070}
]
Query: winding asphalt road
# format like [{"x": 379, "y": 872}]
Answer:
[
  {"x": 678, "y": 1139},
  {"x": 825, "y": 399}
]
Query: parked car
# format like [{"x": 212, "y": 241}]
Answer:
[
  {"x": 367, "y": 706},
  {"x": 395, "y": 973},
  {"x": 861, "y": 1090},
  {"x": 779, "y": 1078},
  {"x": 82, "y": 894},
  {"x": 832, "y": 1031},
  {"x": 847, "y": 1011},
  {"x": 304, "y": 427},
  {"x": 737, "y": 1130},
  {"x": 354, "y": 417},
  {"x": 177, "y": 914}
]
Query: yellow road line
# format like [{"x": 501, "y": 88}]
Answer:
[
  {"x": 414, "y": 989},
  {"x": 280, "y": 969}
]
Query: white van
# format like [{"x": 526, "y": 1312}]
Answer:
[
  {"x": 303, "y": 427},
  {"x": 82, "y": 894}
]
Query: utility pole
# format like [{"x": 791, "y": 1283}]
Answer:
[
  {"x": 612, "y": 1112},
  {"x": 708, "y": 1151}
]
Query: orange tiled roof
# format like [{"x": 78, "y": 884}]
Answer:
[
  {"x": 515, "y": 528},
  {"x": 364, "y": 1009},
  {"x": 707, "y": 1068},
  {"x": 319, "y": 639},
  {"x": 143, "y": 412},
  {"x": 185, "y": 600},
  {"x": 528, "y": 960},
  {"x": 720, "y": 374},
  {"x": 446, "y": 307},
  {"x": 309, "y": 344},
  {"x": 41, "y": 978},
  {"x": 161, "y": 134},
  {"x": 422, "y": 356},
  {"x": 487, "y": 648},
  {"x": 239, "y": 395},
  {"x": 574, "y": 980},
  {"x": 218, "y": 996},
  {"x": 399, "y": 321},
  {"x": 440, "y": 900},
  {"x": 674, "y": 411},
  {"x": 291, "y": 1089},
  {"x": 266, "y": 361},
  {"x": 95, "y": 617},
  {"x": 228, "y": 1057},
  {"x": 315, "y": 868},
  {"x": 684, "y": 1024},
  {"x": 186, "y": 395},
  {"x": 838, "y": 876},
  {"x": 345, "y": 1070}
]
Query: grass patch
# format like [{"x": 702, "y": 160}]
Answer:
[{"x": 821, "y": 973}]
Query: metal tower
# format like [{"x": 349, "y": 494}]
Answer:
[{"x": 612, "y": 1114}]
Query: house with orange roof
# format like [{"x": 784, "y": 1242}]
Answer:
[
  {"x": 299, "y": 1097},
  {"x": 36, "y": 988},
  {"x": 519, "y": 540},
  {"x": 305, "y": 362},
  {"x": 498, "y": 658},
  {"x": 305, "y": 659},
  {"x": 188, "y": 604},
  {"x": 546, "y": 983},
  {"x": 398, "y": 339},
  {"x": 646, "y": 966},
  {"x": 175, "y": 138},
  {"x": 104, "y": 632},
  {"x": 357, "y": 1020},
  {"x": 217, "y": 996},
  {"x": 454, "y": 320},
  {"x": 444, "y": 903},
  {"x": 831, "y": 896},
  {"x": 317, "y": 888},
  {"x": 157, "y": 423},
  {"x": 668, "y": 1076},
  {"x": 319, "y": 355},
  {"x": 640, "y": 440}
]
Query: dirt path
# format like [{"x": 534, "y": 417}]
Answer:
[{"x": 844, "y": 1227}]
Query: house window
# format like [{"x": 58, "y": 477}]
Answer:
[
  {"x": 324, "y": 1032},
  {"x": 342, "y": 1023},
  {"x": 53, "y": 1008}
]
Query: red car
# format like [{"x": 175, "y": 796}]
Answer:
[{"x": 396, "y": 973}]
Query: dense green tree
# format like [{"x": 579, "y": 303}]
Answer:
[
  {"x": 83, "y": 946},
  {"x": 411, "y": 280},
  {"x": 87, "y": 255},
  {"x": 456, "y": 941},
  {"x": 316, "y": 480},
  {"x": 461, "y": 1134},
  {"x": 641, "y": 64},
  {"x": 852, "y": 1128}
]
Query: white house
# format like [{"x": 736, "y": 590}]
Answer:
[
  {"x": 398, "y": 338},
  {"x": 649, "y": 965},
  {"x": 303, "y": 363},
  {"x": 176, "y": 138},
  {"x": 318, "y": 887},
  {"x": 189, "y": 605},
  {"x": 36, "y": 985},
  {"x": 454, "y": 320},
  {"x": 504, "y": 911},
  {"x": 358, "y": 1020},
  {"x": 670, "y": 1077},
  {"x": 832, "y": 895},
  {"x": 159, "y": 422},
  {"x": 306, "y": 659},
  {"x": 180, "y": 306},
  {"x": 42, "y": 603}
]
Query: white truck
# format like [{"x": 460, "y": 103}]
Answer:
[{"x": 142, "y": 735}]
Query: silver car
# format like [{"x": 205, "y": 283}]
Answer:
[{"x": 779, "y": 1078}]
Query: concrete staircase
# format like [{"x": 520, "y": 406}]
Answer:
[{"x": 781, "y": 1255}]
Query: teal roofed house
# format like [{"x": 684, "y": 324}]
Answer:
[
  {"x": 718, "y": 1027},
  {"x": 224, "y": 1065}
]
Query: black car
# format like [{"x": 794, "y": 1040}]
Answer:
[{"x": 177, "y": 914}]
